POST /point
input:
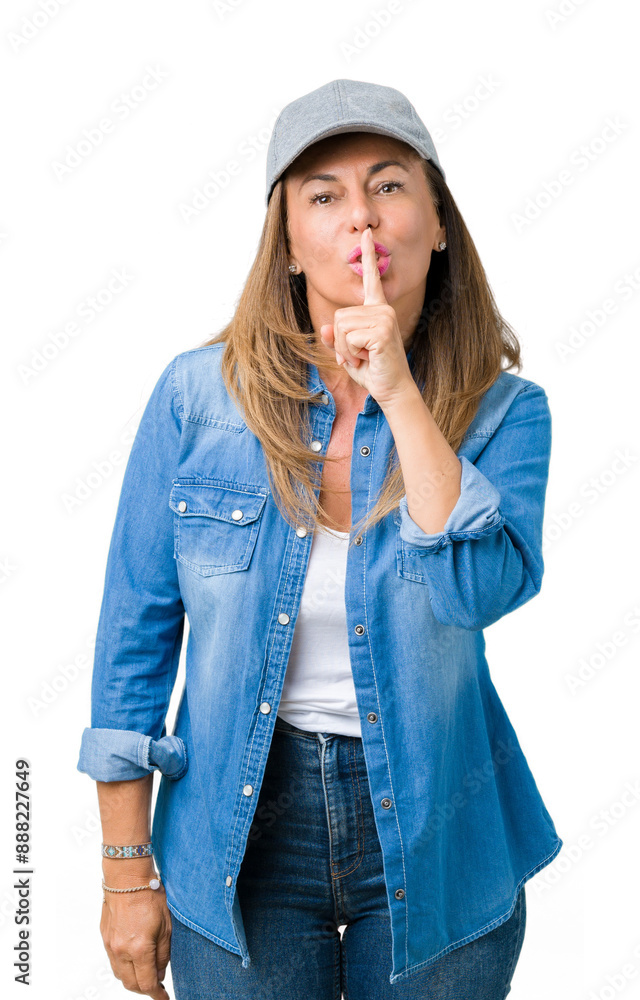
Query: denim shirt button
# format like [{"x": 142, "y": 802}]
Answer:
[
  {"x": 283, "y": 618},
  {"x": 372, "y": 717},
  {"x": 247, "y": 790},
  {"x": 359, "y": 629},
  {"x": 399, "y": 894},
  {"x": 228, "y": 880},
  {"x": 182, "y": 506},
  {"x": 236, "y": 515},
  {"x": 365, "y": 450},
  {"x": 316, "y": 445},
  {"x": 359, "y": 540},
  {"x": 301, "y": 532},
  {"x": 265, "y": 708},
  {"x": 386, "y": 803},
  {"x": 324, "y": 398}
]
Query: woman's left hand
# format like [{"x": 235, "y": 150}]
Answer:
[{"x": 367, "y": 338}]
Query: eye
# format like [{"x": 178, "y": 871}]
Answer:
[
  {"x": 325, "y": 194},
  {"x": 316, "y": 197}
]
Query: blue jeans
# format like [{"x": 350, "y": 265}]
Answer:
[{"x": 309, "y": 870}]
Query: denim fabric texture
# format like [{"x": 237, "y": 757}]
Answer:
[
  {"x": 198, "y": 537},
  {"x": 314, "y": 864}
]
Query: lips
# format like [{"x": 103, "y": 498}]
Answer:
[
  {"x": 380, "y": 249},
  {"x": 355, "y": 258}
]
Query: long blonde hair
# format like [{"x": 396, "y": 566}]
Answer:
[{"x": 458, "y": 346}]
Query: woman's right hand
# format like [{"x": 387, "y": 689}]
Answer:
[{"x": 136, "y": 931}]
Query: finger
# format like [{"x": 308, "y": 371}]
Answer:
[
  {"x": 348, "y": 357},
  {"x": 127, "y": 975},
  {"x": 354, "y": 357},
  {"x": 159, "y": 993},
  {"x": 146, "y": 972},
  {"x": 163, "y": 956},
  {"x": 328, "y": 335},
  {"x": 373, "y": 290},
  {"x": 148, "y": 982},
  {"x": 326, "y": 332}
]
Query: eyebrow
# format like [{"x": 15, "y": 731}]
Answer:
[{"x": 374, "y": 169}]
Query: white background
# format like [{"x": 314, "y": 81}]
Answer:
[{"x": 69, "y": 411}]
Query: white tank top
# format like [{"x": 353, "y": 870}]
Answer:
[{"x": 318, "y": 693}]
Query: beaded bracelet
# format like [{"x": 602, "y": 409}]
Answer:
[
  {"x": 154, "y": 883},
  {"x": 127, "y": 851}
]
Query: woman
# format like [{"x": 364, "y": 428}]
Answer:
[{"x": 340, "y": 492}]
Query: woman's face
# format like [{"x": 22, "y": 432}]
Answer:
[{"x": 358, "y": 187}]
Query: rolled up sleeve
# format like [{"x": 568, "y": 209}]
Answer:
[
  {"x": 487, "y": 561},
  {"x": 120, "y": 755},
  {"x": 476, "y": 512},
  {"x": 141, "y": 622}
]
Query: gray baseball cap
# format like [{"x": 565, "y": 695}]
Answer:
[{"x": 344, "y": 106}]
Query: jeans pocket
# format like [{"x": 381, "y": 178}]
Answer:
[{"x": 519, "y": 920}]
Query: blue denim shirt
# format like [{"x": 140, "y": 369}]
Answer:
[{"x": 460, "y": 819}]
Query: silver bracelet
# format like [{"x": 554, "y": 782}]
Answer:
[{"x": 153, "y": 883}]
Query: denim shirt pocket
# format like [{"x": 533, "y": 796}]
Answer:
[
  {"x": 408, "y": 562},
  {"x": 216, "y": 524}
]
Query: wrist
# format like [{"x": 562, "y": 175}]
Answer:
[
  {"x": 405, "y": 396},
  {"x": 121, "y": 873}
]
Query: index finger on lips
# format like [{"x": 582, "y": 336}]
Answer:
[{"x": 373, "y": 290}]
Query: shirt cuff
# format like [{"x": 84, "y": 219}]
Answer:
[
  {"x": 121, "y": 755},
  {"x": 475, "y": 514}
]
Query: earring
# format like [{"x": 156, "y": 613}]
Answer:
[
  {"x": 441, "y": 246},
  {"x": 293, "y": 268}
]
